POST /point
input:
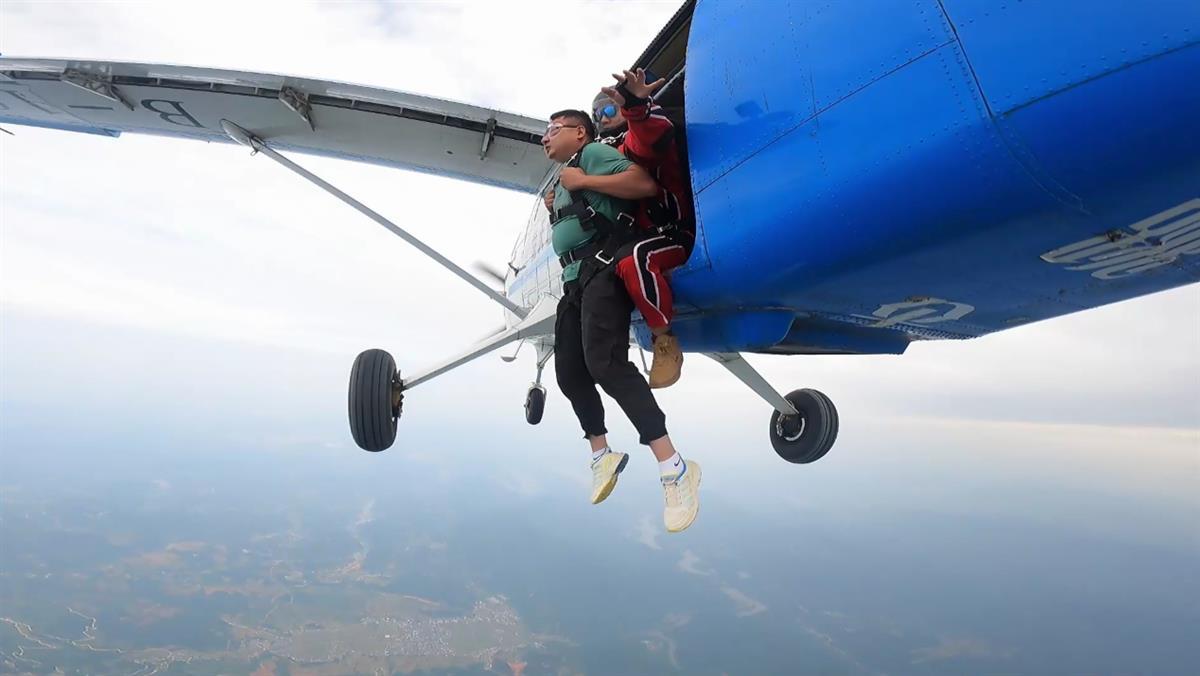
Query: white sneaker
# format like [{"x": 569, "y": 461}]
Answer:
[
  {"x": 604, "y": 474},
  {"x": 681, "y": 492}
]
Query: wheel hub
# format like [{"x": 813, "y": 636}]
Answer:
[
  {"x": 790, "y": 427},
  {"x": 397, "y": 395}
]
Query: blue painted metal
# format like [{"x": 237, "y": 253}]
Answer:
[
  {"x": 891, "y": 171},
  {"x": 1024, "y": 51},
  {"x": 730, "y": 331}
]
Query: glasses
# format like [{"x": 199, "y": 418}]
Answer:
[
  {"x": 556, "y": 127},
  {"x": 609, "y": 111}
]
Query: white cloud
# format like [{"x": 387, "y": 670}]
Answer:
[
  {"x": 957, "y": 649},
  {"x": 690, "y": 563},
  {"x": 647, "y": 532},
  {"x": 521, "y": 483},
  {"x": 745, "y": 606}
]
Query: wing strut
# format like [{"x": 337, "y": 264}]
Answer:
[{"x": 247, "y": 139}]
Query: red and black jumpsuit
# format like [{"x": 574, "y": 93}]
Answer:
[{"x": 649, "y": 142}]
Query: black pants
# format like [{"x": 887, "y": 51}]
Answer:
[{"x": 591, "y": 347}]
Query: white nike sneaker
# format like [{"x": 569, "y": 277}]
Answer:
[
  {"x": 604, "y": 474},
  {"x": 681, "y": 492}
]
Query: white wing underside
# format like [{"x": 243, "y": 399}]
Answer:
[{"x": 318, "y": 117}]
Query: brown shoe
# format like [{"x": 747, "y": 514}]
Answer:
[{"x": 668, "y": 361}]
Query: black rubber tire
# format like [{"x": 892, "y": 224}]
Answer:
[
  {"x": 834, "y": 424},
  {"x": 374, "y": 410},
  {"x": 820, "y": 428},
  {"x": 535, "y": 405}
]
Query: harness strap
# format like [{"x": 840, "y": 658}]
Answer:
[
  {"x": 581, "y": 210},
  {"x": 604, "y": 251},
  {"x": 609, "y": 238},
  {"x": 580, "y": 253},
  {"x": 611, "y": 234}
]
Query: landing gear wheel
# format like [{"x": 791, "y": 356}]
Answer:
[
  {"x": 535, "y": 404},
  {"x": 806, "y": 437},
  {"x": 376, "y": 399}
]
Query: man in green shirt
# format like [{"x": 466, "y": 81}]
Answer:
[
  {"x": 592, "y": 217},
  {"x": 569, "y": 233}
]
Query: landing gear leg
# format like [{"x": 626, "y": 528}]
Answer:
[
  {"x": 805, "y": 422},
  {"x": 535, "y": 399}
]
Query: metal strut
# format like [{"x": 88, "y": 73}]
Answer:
[
  {"x": 102, "y": 87},
  {"x": 297, "y": 102},
  {"x": 746, "y": 373},
  {"x": 488, "y": 135},
  {"x": 544, "y": 354},
  {"x": 251, "y": 141}
]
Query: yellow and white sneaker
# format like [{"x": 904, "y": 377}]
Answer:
[
  {"x": 681, "y": 492},
  {"x": 604, "y": 474}
]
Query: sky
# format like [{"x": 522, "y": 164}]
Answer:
[
  {"x": 167, "y": 290},
  {"x": 175, "y": 312}
]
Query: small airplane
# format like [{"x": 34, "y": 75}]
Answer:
[{"x": 866, "y": 175}]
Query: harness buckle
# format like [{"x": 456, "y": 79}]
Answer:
[
  {"x": 600, "y": 257},
  {"x": 629, "y": 219}
]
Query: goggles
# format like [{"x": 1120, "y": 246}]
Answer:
[{"x": 608, "y": 110}]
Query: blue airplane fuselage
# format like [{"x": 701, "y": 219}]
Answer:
[{"x": 867, "y": 174}]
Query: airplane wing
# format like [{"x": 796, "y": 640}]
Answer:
[{"x": 319, "y": 117}]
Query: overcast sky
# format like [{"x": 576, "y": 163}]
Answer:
[{"x": 146, "y": 276}]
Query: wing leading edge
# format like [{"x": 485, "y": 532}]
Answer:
[{"x": 318, "y": 117}]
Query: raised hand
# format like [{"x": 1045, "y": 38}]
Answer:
[{"x": 635, "y": 82}]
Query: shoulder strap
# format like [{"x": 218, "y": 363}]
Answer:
[
  {"x": 589, "y": 218},
  {"x": 579, "y": 206},
  {"x": 578, "y": 156}
]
